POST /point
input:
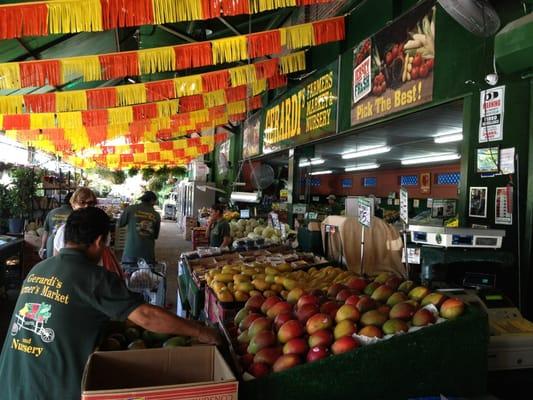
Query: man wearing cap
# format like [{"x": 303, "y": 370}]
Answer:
[
  {"x": 332, "y": 208},
  {"x": 143, "y": 224},
  {"x": 54, "y": 219}
]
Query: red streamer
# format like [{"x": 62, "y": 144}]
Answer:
[
  {"x": 191, "y": 103},
  {"x": 203, "y": 149},
  {"x": 16, "y": 121},
  {"x": 235, "y": 7},
  {"x": 215, "y": 80},
  {"x": 144, "y": 111},
  {"x": 153, "y": 156},
  {"x": 193, "y": 55},
  {"x": 255, "y": 103},
  {"x": 157, "y": 91},
  {"x": 217, "y": 112},
  {"x": 266, "y": 69},
  {"x": 96, "y": 134},
  {"x": 221, "y": 137},
  {"x": 166, "y": 145},
  {"x": 263, "y": 43},
  {"x": 118, "y": 13},
  {"x": 94, "y": 117},
  {"x": 23, "y": 20},
  {"x": 327, "y": 31},
  {"x": 277, "y": 81},
  {"x": 119, "y": 65},
  {"x": 179, "y": 153},
  {"x": 211, "y": 9},
  {"x": 236, "y": 93},
  {"x": 126, "y": 158},
  {"x": 237, "y": 117},
  {"x": 164, "y": 134},
  {"x": 45, "y": 102},
  {"x": 101, "y": 98},
  {"x": 40, "y": 73}
]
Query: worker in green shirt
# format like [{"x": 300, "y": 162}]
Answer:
[
  {"x": 62, "y": 309},
  {"x": 143, "y": 223},
  {"x": 333, "y": 207},
  {"x": 218, "y": 230},
  {"x": 54, "y": 219}
]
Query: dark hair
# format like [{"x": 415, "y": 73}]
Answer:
[
  {"x": 148, "y": 197},
  {"x": 218, "y": 207},
  {"x": 66, "y": 200},
  {"x": 84, "y": 226}
]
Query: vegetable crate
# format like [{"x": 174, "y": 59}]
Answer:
[
  {"x": 147, "y": 279},
  {"x": 198, "y": 238},
  {"x": 216, "y": 311}
]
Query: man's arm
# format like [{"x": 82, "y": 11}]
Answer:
[
  {"x": 157, "y": 227},
  {"x": 158, "y": 320},
  {"x": 226, "y": 234},
  {"x": 123, "y": 221},
  {"x": 44, "y": 239}
]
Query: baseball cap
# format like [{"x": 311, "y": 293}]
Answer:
[
  {"x": 148, "y": 196},
  {"x": 331, "y": 197}
]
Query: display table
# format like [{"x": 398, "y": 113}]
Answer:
[
  {"x": 9, "y": 247},
  {"x": 448, "y": 358}
]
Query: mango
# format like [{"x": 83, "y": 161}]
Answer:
[
  {"x": 305, "y": 312},
  {"x": 418, "y": 293},
  {"x": 247, "y": 321},
  {"x": 239, "y": 278},
  {"x": 365, "y": 304},
  {"x": 289, "y": 284},
  {"x": 261, "y": 340},
  {"x": 452, "y": 308},
  {"x": 244, "y": 286},
  {"x": 317, "y": 353},
  {"x": 295, "y": 294},
  {"x": 395, "y": 298},
  {"x": 369, "y": 289},
  {"x": 344, "y": 344},
  {"x": 269, "y": 302},
  {"x": 371, "y": 331},
  {"x": 243, "y": 337},
  {"x": 423, "y": 317},
  {"x": 348, "y": 312},
  {"x": 268, "y": 355},
  {"x": 137, "y": 345},
  {"x": 254, "y": 303},
  {"x": 344, "y": 328},
  {"x": 403, "y": 311},
  {"x": 285, "y": 362},
  {"x": 225, "y": 296},
  {"x": 281, "y": 319},
  {"x": 259, "y": 325},
  {"x": 241, "y": 296},
  {"x": 434, "y": 298},
  {"x": 393, "y": 326},
  {"x": 281, "y": 307},
  {"x": 258, "y": 370},
  {"x": 276, "y": 288},
  {"x": 382, "y": 293},
  {"x": 290, "y": 330},
  {"x": 382, "y": 277},
  {"x": 225, "y": 278},
  {"x": 177, "y": 341},
  {"x": 373, "y": 317},
  {"x": 393, "y": 282},
  {"x": 406, "y": 286},
  {"x": 260, "y": 284},
  {"x": 323, "y": 338},
  {"x": 243, "y": 312},
  {"x": 317, "y": 322},
  {"x": 296, "y": 346}
]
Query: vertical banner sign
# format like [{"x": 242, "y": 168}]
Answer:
[
  {"x": 393, "y": 70},
  {"x": 491, "y": 111},
  {"x": 404, "y": 206},
  {"x": 250, "y": 136},
  {"x": 504, "y": 205},
  {"x": 364, "y": 211},
  {"x": 307, "y": 113}
]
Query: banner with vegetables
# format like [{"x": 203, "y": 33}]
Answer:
[
  {"x": 393, "y": 70},
  {"x": 250, "y": 138}
]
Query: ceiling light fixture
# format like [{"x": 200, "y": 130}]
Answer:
[
  {"x": 430, "y": 159},
  {"x": 312, "y": 161},
  {"x": 363, "y": 167},
  {"x": 454, "y": 137},
  {"x": 245, "y": 197},
  {"x": 325, "y": 172},
  {"x": 366, "y": 152}
]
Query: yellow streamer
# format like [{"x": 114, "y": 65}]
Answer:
[
  {"x": 167, "y": 108},
  {"x": 213, "y": 99},
  {"x": 120, "y": 115},
  {"x": 78, "y": 137},
  {"x": 292, "y": 62},
  {"x": 71, "y": 16},
  {"x": 113, "y": 160},
  {"x": 157, "y": 60},
  {"x": 151, "y": 147},
  {"x": 69, "y": 120},
  {"x": 188, "y": 85},
  {"x": 257, "y": 6},
  {"x": 131, "y": 94},
  {"x": 71, "y": 101},
  {"x": 209, "y": 140},
  {"x": 11, "y": 104},
  {"x": 191, "y": 151},
  {"x": 167, "y": 155},
  {"x": 259, "y": 87},
  {"x": 230, "y": 49},
  {"x": 200, "y": 116},
  {"x": 42, "y": 121},
  {"x": 242, "y": 75},
  {"x": 9, "y": 76},
  {"x": 298, "y": 36},
  {"x": 179, "y": 144},
  {"x": 88, "y": 67},
  {"x": 175, "y": 11},
  {"x": 237, "y": 107},
  {"x": 140, "y": 157}
]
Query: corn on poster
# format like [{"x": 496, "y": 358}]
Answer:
[
  {"x": 393, "y": 70},
  {"x": 307, "y": 113}
]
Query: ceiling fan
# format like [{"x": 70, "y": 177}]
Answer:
[{"x": 476, "y": 16}]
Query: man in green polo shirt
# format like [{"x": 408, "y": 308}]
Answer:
[
  {"x": 143, "y": 229},
  {"x": 54, "y": 219},
  {"x": 218, "y": 230},
  {"x": 63, "y": 305}
]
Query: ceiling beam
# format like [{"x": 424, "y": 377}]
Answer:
[
  {"x": 180, "y": 35},
  {"x": 229, "y": 26},
  {"x": 27, "y": 49},
  {"x": 40, "y": 49}
]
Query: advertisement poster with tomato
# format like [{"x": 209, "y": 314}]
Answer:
[
  {"x": 250, "y": 138},
  {"x": 393, "y": 70}
]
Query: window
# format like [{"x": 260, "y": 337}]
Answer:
[
  {"x": 409, "y": 180},
  {"x": 451, "y": 178}
]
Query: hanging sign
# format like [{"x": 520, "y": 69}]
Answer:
[
  {"x": 491, "y": 111},
  {"x": 503, "y": 205},
  {"x": 250, "y": 137},
  {"x": 393, "y": 70},
  {"x": 404, "y": 206},
  {"x": 364, "y": 211},
  {"x": 507, "y": 161},
  {"x": 307, "y": 113}
]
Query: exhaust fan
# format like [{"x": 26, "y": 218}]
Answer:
[{"x": 476, "y": 16}]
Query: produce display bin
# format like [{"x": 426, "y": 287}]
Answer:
[
  {"x": 217, "y": 311},
  {"x": 448, "y": 358}
]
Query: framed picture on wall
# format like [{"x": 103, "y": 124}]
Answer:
[
  {"x": 478, "y": 202},
  {"x": 425, "y": 183}
]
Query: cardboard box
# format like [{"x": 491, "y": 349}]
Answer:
[{"x": 183, "y": 373}]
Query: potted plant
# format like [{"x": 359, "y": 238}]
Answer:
[
  {"x": 21, "y": 192},
  {"x": 5, "y": 206}
]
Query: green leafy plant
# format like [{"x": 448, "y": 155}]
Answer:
[
  {"x": 147, "y": 173},
  {"x": 133, "y": 172},
  {"x": 118, "y": 177},
  {"x": 22, "y": 190}
]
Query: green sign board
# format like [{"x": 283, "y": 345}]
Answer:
[{"x": 304, "y": 114}]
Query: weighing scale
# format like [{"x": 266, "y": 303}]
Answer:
[
  {"x": 511, "y": 335},
  {"x": 457, "y": 237}
]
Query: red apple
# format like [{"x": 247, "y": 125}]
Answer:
[
  {"x": 317, "y": 353},
  {"x": 322, "y": 338},
  {"x": 344, "y": 344}
]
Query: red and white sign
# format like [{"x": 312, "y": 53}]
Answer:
[{"x": 491, "y": 110}]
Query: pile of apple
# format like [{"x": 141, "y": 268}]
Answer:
[{"x": 272, "y": 334}]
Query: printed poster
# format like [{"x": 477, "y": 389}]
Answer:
[
  {"x": 393, "y": 70},
  {"x": 250, "y": 139},
  {"x": 491, "y": 110},
  {"x": 504, "y": 206}
]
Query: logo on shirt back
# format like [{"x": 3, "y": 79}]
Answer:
[{"x": 32, "y": 317}]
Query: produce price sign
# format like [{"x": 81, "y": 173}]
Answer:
[
  {"x": 364, "y": 209},
  {"x": 250, "y": 137},
  {"x": 393, "y": 70},
  {"x": 404, "y": 206},
  {"x": 307, "y": 113}
]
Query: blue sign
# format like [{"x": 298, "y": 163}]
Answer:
[
  {"x": 370, "y": 181},
  {"x": 346, "y": 183}
]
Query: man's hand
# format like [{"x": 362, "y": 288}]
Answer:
[
  {"x": 209, "y": 335},
  {"x": 42, "y": 253}
]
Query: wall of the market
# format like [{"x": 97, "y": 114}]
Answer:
[{"x": 387, "y": 181}]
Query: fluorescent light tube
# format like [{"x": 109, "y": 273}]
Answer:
[
  {"x": 312, "y": 161},
  {"x": 326, "y": 172},
  {"x": 361, "y": 167},
  {"x": 245, "y": 197},
  {"x": 455, "y": 137},
  {"x": 435, "y": 158},
  {"x": 366, "y": 152}
]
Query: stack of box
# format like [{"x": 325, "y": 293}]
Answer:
[
  {"x": 189, "y": 224},
  {"x": 199, "y": 238}
]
